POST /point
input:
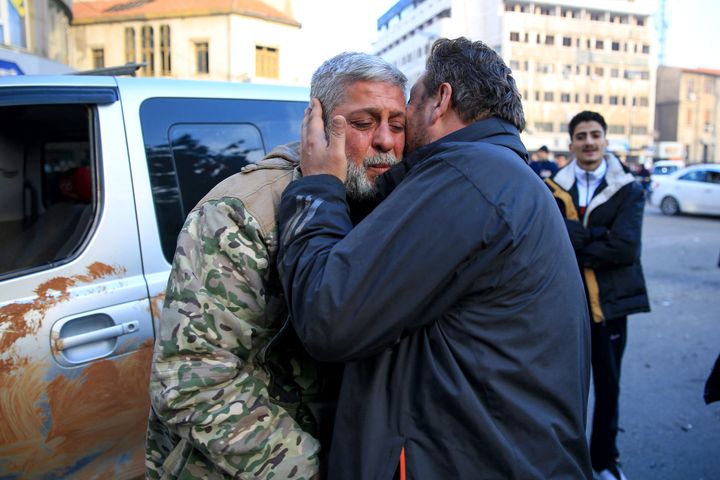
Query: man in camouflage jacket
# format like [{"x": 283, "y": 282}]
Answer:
[{"x": 234, "y": 394}]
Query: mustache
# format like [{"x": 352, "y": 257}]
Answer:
[{"x": 380, "y": 159}]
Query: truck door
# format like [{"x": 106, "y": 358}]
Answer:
[{"x": 75, "y": 324}]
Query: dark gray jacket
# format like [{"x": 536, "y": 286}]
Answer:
[{"x": 459, "y": 309}]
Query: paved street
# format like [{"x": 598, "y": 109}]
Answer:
[{"x": 669, "y": 432}]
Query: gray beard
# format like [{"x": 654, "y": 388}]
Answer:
[{"x": 357, "y": 185}]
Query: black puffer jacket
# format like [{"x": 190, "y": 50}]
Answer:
[
  {"x": 609, "y": 238},
  {"x": 459, "y": 309}
]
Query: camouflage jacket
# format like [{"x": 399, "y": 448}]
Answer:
[{"x": 230, "y": 383}]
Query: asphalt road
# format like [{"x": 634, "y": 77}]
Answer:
[{"x": 668, "y": 433}]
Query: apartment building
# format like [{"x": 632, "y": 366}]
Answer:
[
  {"x": 34, "y": 36},
  {"x": 688, "y": 111},
  {"x": 566, "y": 56},
  {"x": 233, "y": 40}
]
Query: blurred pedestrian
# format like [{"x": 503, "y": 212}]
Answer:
[
  {"x": 542, "y": 165},
  {"x": 603, "y": 209},
  {"x": 561, "y": 160}
]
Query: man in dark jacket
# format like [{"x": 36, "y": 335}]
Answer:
[
  {"x": 457, "y": 303},
  {"x": 603, "y": 209}
]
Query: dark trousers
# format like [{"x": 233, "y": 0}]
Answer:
[{"x": 608, "y": 346}]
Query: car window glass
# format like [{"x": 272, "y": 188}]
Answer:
[
  {"x": 205, "y": 155},
  {"x": 713, "y": 177},
  {"x": 193, "y": 144},
  {"x": 47, "y": 184},
  {"x": 694, "y": 176}
]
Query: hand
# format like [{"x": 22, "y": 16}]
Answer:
[
  {"x": 317, "y": 155},
  {"x": 579, "y": 235}
]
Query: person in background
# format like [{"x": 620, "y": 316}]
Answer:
[
  {"x": 543, "y": 166},
  {"x": 463, "y": 361},
  {"x": 234, "y": 395},
  {"x": 561, "y": 160},
  {"x": 603, "y": 209}
]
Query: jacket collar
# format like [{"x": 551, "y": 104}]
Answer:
[
  {"x": 491, "y": 130},
  {"x": 615, "y": 178}
]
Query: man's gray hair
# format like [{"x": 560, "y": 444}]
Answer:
[
  {"x": 332, "y": 78},
  {"x": 482, "y": 85}
]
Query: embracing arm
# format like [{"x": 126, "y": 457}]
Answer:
[{"x": 205, "y": 382}]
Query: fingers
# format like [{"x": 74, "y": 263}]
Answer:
[
  {"x": 320, "y": 155},
  {"x": 336, "y": 142}
]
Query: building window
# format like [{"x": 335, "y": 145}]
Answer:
[
  {"x": 613, "y": 100},
  {"x": 616, "y": 129},
  {"x": 646, "y": 49},
  {"x": 165, "y": 61},
  {"x": 514, "y": 36},
  {"x": 129, "y": 45},
  {"x": 596, "y": 16},
  {"x": 565, "y": 97},
  {"x": 577, "y": 98},
  {"x": 614, "y": 72},
  {"x": 544, "y": 126},
  {"x": 638, "y": 130},
  {"x": 98, "y": 57},
  {"x": 645, "y": 75},
  {"x": 514, "y": 65},
  {"x": 640, "y": 21},
  {"x": 549, "y": 40},
  {"x": 267, "y": 60},
  {"x": 202, "y": 57},
  {"x": 567, "y": 42},
  {"x": 643, "y": 101},
  {"x": 599, "y": 45},
  {"x": 615, "y": 46},
  {"x": 545, "y": 11},
  {"x": 148, "y": 51},
  {"x": 548, "y": 96},
  {"x": 598, "y": 99},
  {"x": 709, "y": 86},
  {"x": 537, "y": 96},
  {"x": 599, "y": 71}
]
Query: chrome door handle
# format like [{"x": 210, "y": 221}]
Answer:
[{"x": 96, "y": 335}]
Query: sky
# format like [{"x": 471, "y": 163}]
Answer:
[{"x": 334, "y": 26}]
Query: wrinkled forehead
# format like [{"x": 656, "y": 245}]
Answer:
[{"x": 371, "y": 96}]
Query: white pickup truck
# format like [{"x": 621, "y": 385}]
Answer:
[{"x": 97, "y": 175}]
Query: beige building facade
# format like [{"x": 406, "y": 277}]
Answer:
[
  {"x": 688, "y": 111},
  {"x": 241, "y": 40},
  {"x": 566, "y": 56}
]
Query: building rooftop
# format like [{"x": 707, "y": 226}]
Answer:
[
  {"x": 704, "y": 71},
  {"x": 107, "y": 11}
]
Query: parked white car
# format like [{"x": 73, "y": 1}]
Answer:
[
  {"x": 666, "y": 167},
  {"x": 695, "y": 189}
]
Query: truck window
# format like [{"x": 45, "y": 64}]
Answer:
[
  {"x": 191, "y": 145},
  {"x": 47, "y": 185},
  {"x": 204, "y": 155}
]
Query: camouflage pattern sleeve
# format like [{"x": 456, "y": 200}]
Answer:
[{"x": 206, "y": 384}]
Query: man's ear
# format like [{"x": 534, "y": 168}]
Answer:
[{"x": 442, "y": 101}]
